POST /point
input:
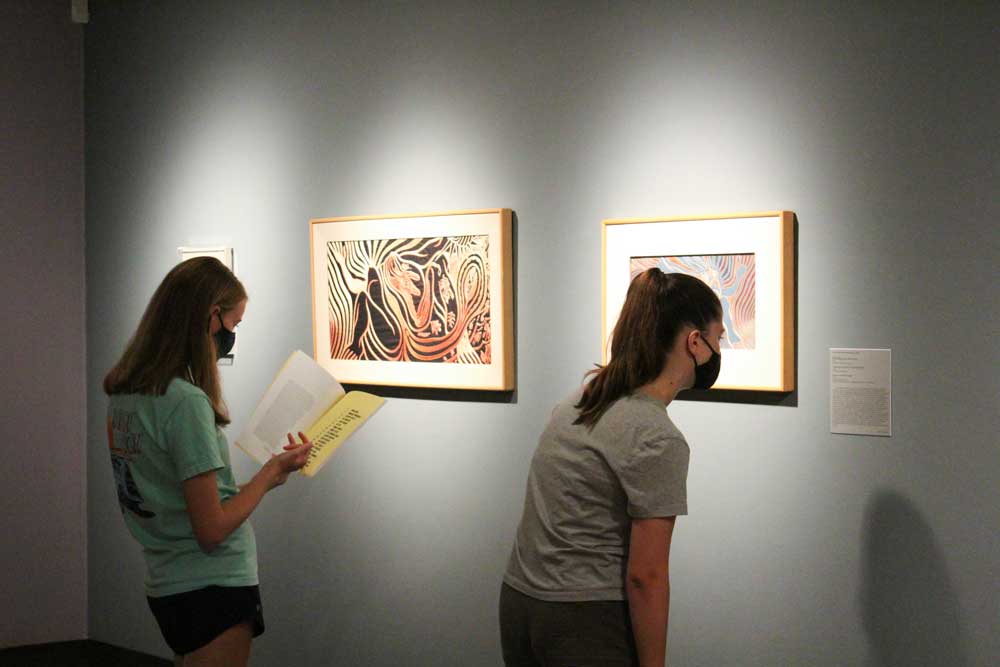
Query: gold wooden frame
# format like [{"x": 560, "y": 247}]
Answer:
[
  {"x": 783, "y": 375},
  {"x": 500, "y": 373}
]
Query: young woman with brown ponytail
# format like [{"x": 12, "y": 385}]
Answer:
[{"x": 587, "y": 582}]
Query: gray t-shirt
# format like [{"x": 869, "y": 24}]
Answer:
[{"x": 585, "y": 487}]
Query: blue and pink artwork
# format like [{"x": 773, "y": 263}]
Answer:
[{"x": 732, "y": 278}]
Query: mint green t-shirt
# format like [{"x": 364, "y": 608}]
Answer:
[{"x": 157, "y": 442}]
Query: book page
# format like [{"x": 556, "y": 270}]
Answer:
[
  {"x": 337, "y": 425},
  {"x": 299, "y": 395}
]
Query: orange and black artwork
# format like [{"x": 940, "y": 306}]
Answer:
[{"x": 410, "y": 299}]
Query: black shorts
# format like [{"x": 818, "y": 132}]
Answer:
[
  {"x": 193, "y": 619},
  {"x": 537, "y": 633}
]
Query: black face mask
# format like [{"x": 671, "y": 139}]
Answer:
[
  {"x": 224, "y": 339},
  {"x": 706, "y": 374}
]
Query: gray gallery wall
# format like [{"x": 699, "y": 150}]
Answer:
[
  {"x": 43, "y": 516},
  {"x": 218, "y": 122}
]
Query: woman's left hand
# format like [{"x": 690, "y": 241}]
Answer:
[{"x": 295, "y": 457}]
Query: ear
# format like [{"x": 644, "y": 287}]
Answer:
[
  {"x": 693, "y": 336},
  {"x": 213, "y": 312}
]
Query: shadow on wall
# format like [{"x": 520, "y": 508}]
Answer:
[{"x": 908, "y": 604}]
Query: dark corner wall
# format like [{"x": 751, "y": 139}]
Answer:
[
  {"x": 235, "y": 123},
  {"x": 43, "y": 586}
]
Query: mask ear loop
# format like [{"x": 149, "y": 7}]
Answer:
[
  {"x": 701, "y": 315},
  {"x": 694, "y": 359},
  {"x": 704, "y": 337},
  {"x": 222, "y": 323},
  {"x": 208, "y": 330}
]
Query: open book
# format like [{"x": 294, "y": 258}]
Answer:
[{"x": 304, "y": 397}]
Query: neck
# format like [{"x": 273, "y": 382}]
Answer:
[{"x": 664, "y": 388}]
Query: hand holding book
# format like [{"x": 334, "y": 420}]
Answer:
[
  {"x": 305, "y": 398},
  {"x": 293, "y": 459}
]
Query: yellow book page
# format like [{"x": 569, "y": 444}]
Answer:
[{"x": 336, "y": 425}]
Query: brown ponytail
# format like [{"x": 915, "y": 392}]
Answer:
[{"x": 656, "y": 308}]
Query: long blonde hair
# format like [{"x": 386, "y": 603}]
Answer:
[{"x": 172, "y": 339}]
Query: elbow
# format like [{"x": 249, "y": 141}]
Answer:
[
  {"x": 646, "y": 579},
  {"x": 207, "y": 546},
  {"x": 208, "y": 540}
]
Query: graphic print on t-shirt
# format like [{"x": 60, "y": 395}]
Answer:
[{"x": 125, "y": 446}]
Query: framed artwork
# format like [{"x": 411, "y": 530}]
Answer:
[
  {"x": 420, "y": 300},
  {"x": 747, "y": 259}
]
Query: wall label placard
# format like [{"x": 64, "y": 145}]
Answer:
[{"x": 861, "y": 391}]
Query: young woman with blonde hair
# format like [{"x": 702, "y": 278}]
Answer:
[
  {"x": 171, "y": 465},
  {"x": 587, "y": 582}
]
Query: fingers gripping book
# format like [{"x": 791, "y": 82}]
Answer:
[{"x": 305, "y": 397}]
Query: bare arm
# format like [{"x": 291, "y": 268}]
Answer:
[
  {"x": 213, "y": 520},
  {"x": 647, "y": 584}
]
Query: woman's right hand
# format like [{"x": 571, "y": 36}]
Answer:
[{"x": 295, "y": 456}]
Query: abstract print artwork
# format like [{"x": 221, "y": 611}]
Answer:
[
  {"x": 419, "y": 300},
  {"x": 732, "y": 277},
  {"x": 748, "y": 259}
]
